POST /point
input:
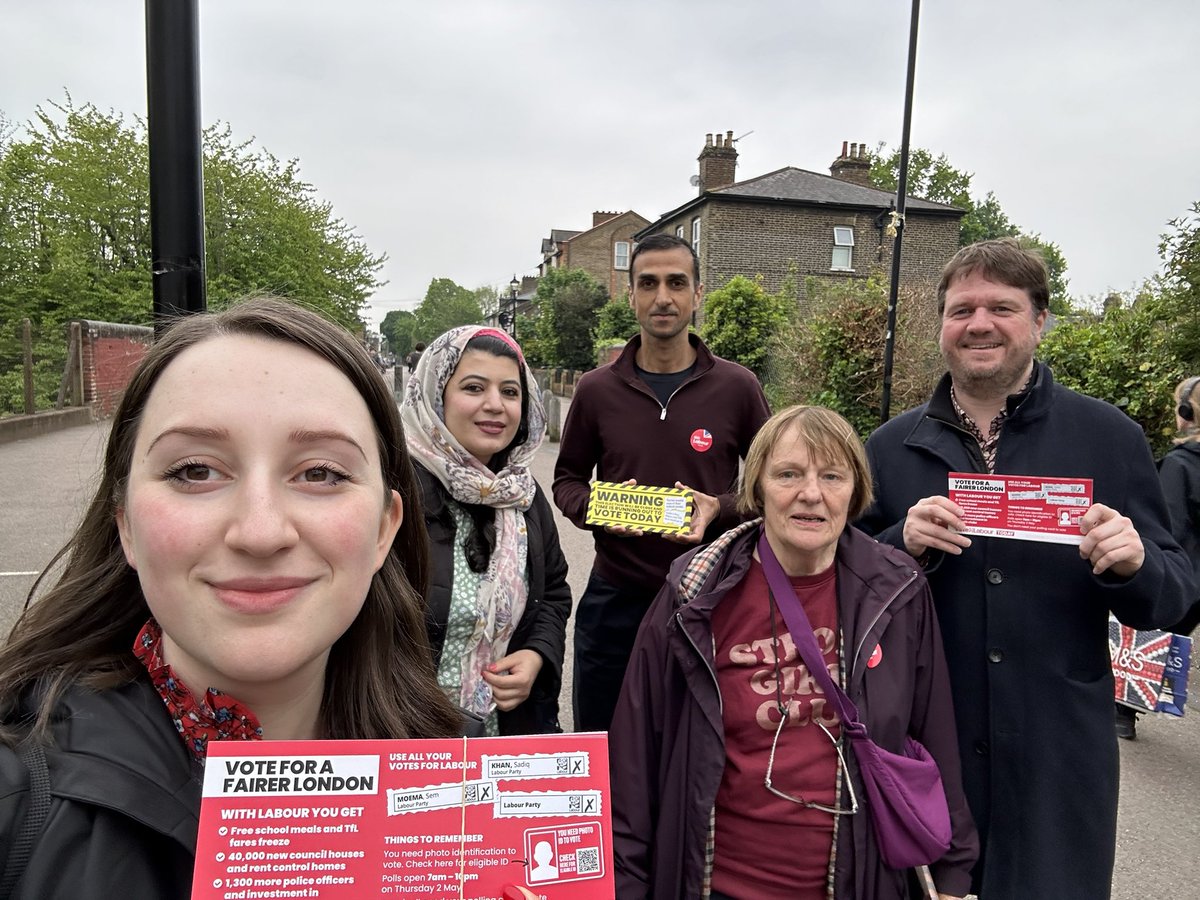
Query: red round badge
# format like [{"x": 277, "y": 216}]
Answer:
[
  {"x": 701, "y": 440},
  {"x": 876, "y": 657}
]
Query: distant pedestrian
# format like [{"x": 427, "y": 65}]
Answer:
[
  {"x": 414, "y": 357},
  {"x": 1179, "y": 472}
]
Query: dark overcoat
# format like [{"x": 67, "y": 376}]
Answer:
[{"x": 1025, "y": 626}]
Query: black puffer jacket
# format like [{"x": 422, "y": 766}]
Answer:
[
  {"x": 124, "y": 802},
  {"x": 543, "y": 625}
]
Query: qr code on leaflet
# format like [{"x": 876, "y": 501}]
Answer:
[{"x": 587, "y": 860}]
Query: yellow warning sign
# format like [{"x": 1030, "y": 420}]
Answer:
[{"x": 660, "y": 510}]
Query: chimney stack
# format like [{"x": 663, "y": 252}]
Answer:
[
  {"x": 718, "y": 162},
  {"x": 854, "y": 165},
  {"x": 599, "y": 218}
]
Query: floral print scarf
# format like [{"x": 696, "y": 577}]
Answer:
[
  {"x": 502, "y": 591},
  {"x": 214, "y": 717}
]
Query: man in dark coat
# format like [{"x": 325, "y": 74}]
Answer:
[{"x": 1024, "y": 622}]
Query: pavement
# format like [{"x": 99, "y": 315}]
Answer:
[{"x": 46, "y": 480}]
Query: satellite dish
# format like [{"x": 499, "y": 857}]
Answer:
[{"x": 694, "y": 181}]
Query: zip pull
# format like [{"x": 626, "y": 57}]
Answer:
[{"x": 663, "y": 416}]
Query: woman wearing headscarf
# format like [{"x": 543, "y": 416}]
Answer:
[{"x": 498, "y": 601}]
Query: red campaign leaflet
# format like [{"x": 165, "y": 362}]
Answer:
[
  {"x": 1023, "y": 507},
  {"x": 450, "y": 818}
]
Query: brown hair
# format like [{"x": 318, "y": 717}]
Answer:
[
  {"x": 379, "y": 681},
  {"x": 827, "y": 435},
  {"x": 1003, "y": 260}
]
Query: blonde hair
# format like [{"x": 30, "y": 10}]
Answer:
[{"x": 827, "y": 435}]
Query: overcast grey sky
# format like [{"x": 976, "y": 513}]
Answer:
[{"x": 454, "y": 136}]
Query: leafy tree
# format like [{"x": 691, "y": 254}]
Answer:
[
  {"x": 934, "y": 178},
  {"x": 489, "y": 296},
  {"x": 446, "y": 305},
  {"x": 255, "y": 207},
  {"x": 399, "y": 326},
  {"x": 568, "y": 302},
  {"x": 537, "y": 352},
  {"x": 1179, "y": 286},
  {"x": 75, "y": 234},
  {"x": 739, "y": 321},
  {"x": 616, "y": 321},
  {"x": 1124, "y": 356},
  {"x": 1137, "y": 349}
]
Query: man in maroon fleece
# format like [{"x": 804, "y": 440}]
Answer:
[{"x": 666, "y": 413}]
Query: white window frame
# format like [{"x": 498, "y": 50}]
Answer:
[
  {"x": 679, "y": 232},
  {"x": 618, "y": 255},
  {"x": 696, "y": 235},
  {"x": 843, "y": 249}
]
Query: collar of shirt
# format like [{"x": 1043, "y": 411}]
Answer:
[
  {"x": 988, "y": 444},
  {"x": 214, "y": 717}
]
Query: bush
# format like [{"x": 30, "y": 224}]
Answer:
[
  {"x": 1123, "y": 356},
  {"x": 615, "y": 321},
  {"x": 739, "y": 321},
  {"x": 832, "y": 355}
]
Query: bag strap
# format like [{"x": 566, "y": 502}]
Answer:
[
  {"x": 33, "y": 755},
  {"x": 802, "y": 636}
]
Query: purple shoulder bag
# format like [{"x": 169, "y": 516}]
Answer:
[{"x": 904, "y": 791}]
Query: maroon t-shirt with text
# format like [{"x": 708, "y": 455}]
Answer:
[{"x": 767, "y": 847}]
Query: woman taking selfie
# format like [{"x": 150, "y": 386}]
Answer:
[
  {"x": 731, "y": 768},
  {"x": 498, "y": 600},
  {"x": 245, "y": 571}
]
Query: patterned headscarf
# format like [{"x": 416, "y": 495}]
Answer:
[{"x": 502, "y": 593}]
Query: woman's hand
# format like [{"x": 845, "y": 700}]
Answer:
[{"x": 512, "y": 678}]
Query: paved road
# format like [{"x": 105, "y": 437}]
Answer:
[{"x": 44, "y": 482}]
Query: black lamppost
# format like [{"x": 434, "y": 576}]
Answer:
[{"x": 513, "y": 287}]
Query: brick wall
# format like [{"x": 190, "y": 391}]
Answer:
[
  {"x": 592, "y": 251},
  {"x": 111, "y": 353},
  {"x": 769, "y": 239}
]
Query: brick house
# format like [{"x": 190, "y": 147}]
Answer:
[
  {"x": 831, "y": 226},
  {"x": 602, "y": 251}
]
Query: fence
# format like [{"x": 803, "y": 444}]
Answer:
[{"x": 101, "y": 357}]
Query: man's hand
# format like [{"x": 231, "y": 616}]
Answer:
[
  {"x": 705, "y": 508},
  {"x": 1110, "y": 542},
  {"x": 933, "y": 524},
  {"x": 512, "y": 676}
]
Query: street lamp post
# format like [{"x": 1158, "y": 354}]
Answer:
[{"x": 513, "y": 287}]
